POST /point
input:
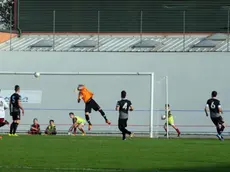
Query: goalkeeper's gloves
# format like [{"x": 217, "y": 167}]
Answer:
[{"x": 78, "y": 100}]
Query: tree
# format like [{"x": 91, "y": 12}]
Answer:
[{"x": 5, "y": 7}]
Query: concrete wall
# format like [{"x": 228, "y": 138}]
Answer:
[{"x": 192, "y": 76}]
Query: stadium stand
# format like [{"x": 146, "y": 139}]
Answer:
[{"x": 118, "y": 43}]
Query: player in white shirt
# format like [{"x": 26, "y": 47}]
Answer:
[{"x": 3, "y": 107}]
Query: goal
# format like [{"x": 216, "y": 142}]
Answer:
[{"x": 51, "y": 96}]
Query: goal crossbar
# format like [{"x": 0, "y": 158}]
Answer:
[{"x": 75, "y": 73}]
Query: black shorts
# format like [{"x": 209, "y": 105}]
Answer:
[
  {"x": 122, "y": 123},
  {"x": 217, "y": 121},
  {"x": 16, "y": 115},
  {"x": 91, "y": 104}
]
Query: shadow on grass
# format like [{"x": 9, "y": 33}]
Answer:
[{"x": 217, "y": 168}]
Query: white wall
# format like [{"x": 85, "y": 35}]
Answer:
[{"x": 192, "y": 76}]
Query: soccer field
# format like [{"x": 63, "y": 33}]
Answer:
[{"x": 111, "y": 154}]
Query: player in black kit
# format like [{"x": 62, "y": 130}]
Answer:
[
  {"x": 124, "y": 106},
  {"x": 213, "y": 105},
  {"x": 15, "y": 108}
]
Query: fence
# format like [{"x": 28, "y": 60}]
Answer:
[
  {"x": 122, "y": 16},
  {"x": 133, "y": 17}
]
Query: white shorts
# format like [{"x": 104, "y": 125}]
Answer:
[{"x": 2, "y": 114}]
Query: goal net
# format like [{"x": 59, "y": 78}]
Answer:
[
  {"x": 51, "y": 96},
  {"x": 161, "y": 99}
]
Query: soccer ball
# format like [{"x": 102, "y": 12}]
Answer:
[
  {"x": 163, "y": 117},
  {"x": 36, "y": 74}
]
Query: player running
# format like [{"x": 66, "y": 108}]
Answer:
[
  {"x": 213, "y": 105},
  {"x": 15, "y": 109},
  {"x": 3, "y": 107},
  {"x": 170, "y": 121},
  {"x": 90, "y": 103},
  {"x": 78, "y": 123},
  {"x": 124, "y": 106}
]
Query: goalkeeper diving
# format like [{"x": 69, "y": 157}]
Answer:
[
  {"x": 78, "y": 122},
  {"x": 170, "y": 120}
]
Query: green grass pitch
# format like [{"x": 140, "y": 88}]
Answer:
[{"x": 111, "y": 154}]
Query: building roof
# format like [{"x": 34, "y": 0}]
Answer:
[{"x": 117, "y": 43}]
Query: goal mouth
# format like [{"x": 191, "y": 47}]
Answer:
[{"x": 51, "y": 96}]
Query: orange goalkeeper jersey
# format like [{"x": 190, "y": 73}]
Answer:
[{"x": 85, "y": 94}]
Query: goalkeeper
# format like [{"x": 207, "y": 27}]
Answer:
[
  {"x": 90, "y": 103},
  {"x": 78, "y": 122},
  {"x": 170, "y": 121}
]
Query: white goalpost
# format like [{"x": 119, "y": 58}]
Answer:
[
  {"x": 162, "y": 99},
  {"x": 167, "y": 103},
  {"x": 43, "y": 94}
]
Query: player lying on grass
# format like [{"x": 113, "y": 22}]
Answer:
[
  {"x": 124, "y": 106},
  {"x": 78, "y": 123},
  {"x": 35, "y": 128},
  {"x": 90, "y": 103},
  {"x": 214, "y": 107},
  {"x": 170, "y": 121},
  {"x": 51, "y": 129},
  {"x": 3, "y": 107}
]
